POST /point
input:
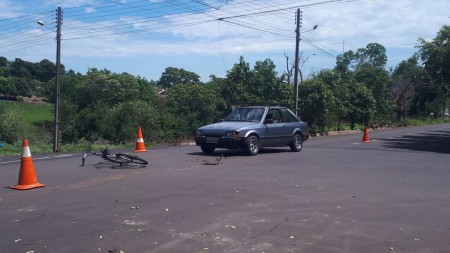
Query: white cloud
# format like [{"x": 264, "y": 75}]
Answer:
[
  {"x": 395, "y": 24},
  {"x": 89, "y": 10},
  {"x": 8, "y": 10}
]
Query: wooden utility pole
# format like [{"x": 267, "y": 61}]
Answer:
[
  {"x": 56, "y": 137},
  {"x": 297, "y": 43}
]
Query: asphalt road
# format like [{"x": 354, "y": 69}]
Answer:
[{"x": 337, "y": 195}]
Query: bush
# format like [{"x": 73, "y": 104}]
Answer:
[{"x": 11, "y": 126}]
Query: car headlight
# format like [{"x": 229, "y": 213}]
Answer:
[
  {"x": 233, "y": 134},
  {"x": 198, "y": 133}
]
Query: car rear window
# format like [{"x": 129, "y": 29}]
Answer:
[{"x": 288, "y": 116}]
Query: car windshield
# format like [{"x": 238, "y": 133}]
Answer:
[{"x": 246, "y": 114}]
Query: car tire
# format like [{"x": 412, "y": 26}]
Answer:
[
  {"x": 252, "y": 145},
  {"x": 207, "y": 149},
  {"x": 297, "y": 143}
]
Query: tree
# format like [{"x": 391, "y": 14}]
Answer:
[
  {"x": 234, "y": 90},
  {"x": 290, "y": 65},
  {"x": 267, "y": 87},
  {"x": 7, "y": 88},
  {"x": 406, "y": 79},
  {"x": 21, "y": 68},
  {"x": 316, "y": 103},
  {"x": 260, "y": 85},
  {"x": 4, "y": 70},
  {"x": 122, "y": 121},
  {"x": 240, "y": 72},
  {"x": 373, "y": 55},
  {"x": 345, "y": 63},
  {"x": 341, "y": 90},
  {"x": 362, "y": 105},
  {"x": 173, "y": 76},
  {"x": 110, "y": 88},
  {"x": 436, "y": 59},
  {"x": 45, "y": 70},
  {"x": 3, "y": 61},
  {"x": 194, "y": 105},
  {"x": 87, "y": 101},
  {"x": 377, "y": 81}
]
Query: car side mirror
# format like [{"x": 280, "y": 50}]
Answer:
[{"x": 268, "y": 121}]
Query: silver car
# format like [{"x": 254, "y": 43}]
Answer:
[{"x": 252, "y": 127}]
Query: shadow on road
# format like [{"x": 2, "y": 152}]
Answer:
[
  {"x": 438, "y": 142},
  {"x": 240, "y": 152},
  {"x": 103, "y": 165}
]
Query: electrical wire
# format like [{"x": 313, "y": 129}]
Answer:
[{"x": 109, "y": 19}]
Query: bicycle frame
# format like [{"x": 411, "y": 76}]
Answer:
[{"x": 116, "y": 158}]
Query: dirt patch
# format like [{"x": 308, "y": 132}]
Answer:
[{"x": 31, "y": 100}]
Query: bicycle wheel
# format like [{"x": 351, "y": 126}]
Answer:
[
  {"x": 131, "y": 159},
  {"x": 114, "y": 159}
]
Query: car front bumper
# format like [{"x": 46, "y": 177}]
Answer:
[{"x": 220, "y": 142}]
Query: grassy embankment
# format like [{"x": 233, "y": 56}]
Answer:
[{"x": 37, "y": 122}]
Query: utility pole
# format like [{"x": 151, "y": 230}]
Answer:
[
  {"x": 56, "y": 137},
  {"x": 297, "y": 43}
]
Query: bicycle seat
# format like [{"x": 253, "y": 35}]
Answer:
[{"x": 105, "y": 152}]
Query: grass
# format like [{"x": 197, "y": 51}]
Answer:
[
  {"x": 424, "y": 122},
  {"x": 36, "y": 117},
  {"x": 31, "y": 113},
  {"x": 39, "y": 148}
]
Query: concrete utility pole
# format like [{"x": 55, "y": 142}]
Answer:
[
  {"x": 297, "y": 42},
  {"x": 56, "y": 137}
]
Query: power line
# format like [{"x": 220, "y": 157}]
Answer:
[{"x": 115, "y": 19}]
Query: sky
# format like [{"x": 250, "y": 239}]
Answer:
[{"x": 144, "y": 37}]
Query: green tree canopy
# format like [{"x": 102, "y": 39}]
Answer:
[
  {"x": 408, "y": 78},
  {"x": 173, "y": 76},
  {"x": 316, "y": 103},
  {"x": 436, "y": 59}
]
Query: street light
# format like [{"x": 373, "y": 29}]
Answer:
[
  {"x": 297, "y": 42},
  {"x": 56, "y": 142}
]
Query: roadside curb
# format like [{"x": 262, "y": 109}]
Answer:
[{"x": 334, "y": 133}]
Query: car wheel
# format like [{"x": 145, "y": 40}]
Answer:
[
  {"x": 252, "y": 145},
  {"x": 297, "y": 143},
  {"x": 207, "y": 149}
]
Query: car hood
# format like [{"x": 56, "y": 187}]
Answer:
[{"x": 226, "y": 126}]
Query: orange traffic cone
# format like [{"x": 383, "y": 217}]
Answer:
[
  {"x": 366, "y": 136},
  {"x": 140, "y": 147},
  {"x": 27, "y": 175}
]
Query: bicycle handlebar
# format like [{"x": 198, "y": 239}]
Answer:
[{"x": 104, "y": 154}]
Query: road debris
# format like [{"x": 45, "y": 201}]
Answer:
[
  {"x": 216, "y": 162},
  {"x": 115, "y": 251}
]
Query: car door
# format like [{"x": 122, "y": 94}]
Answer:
[
  {"x": 291, "y": 124},
  {"x": 276, "y": 128}
]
